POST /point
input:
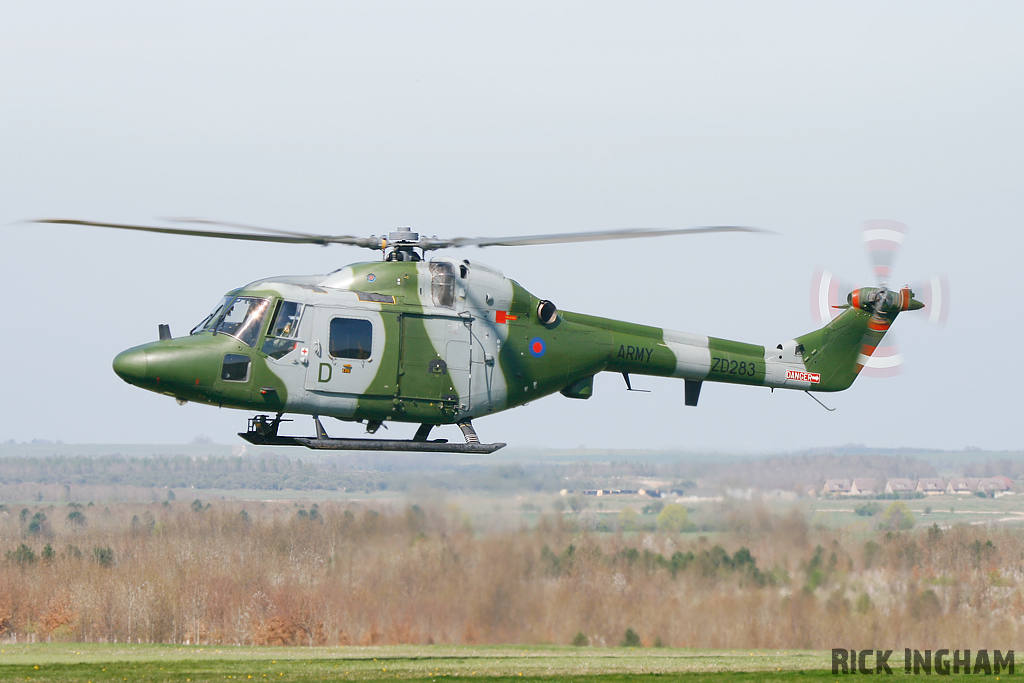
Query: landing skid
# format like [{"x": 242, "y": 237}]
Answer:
[{"x": 262, "y": 431}]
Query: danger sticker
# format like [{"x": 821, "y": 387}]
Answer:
[
  {"x": 812, "y": 377},
  {"x": 504, "y": 317}
]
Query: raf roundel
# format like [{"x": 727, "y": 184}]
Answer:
[
  {"x": 537, "y": 347},
  {"x": 371, "y": 277}
]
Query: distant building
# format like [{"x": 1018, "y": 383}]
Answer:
[
  {"x": 864, "y": 487},
  {"x": 995, "y": 486},
  {"x": 963, "y": 486},
  {"x": 1006, "y": 480},
  {"x": 932, "y": 486},
  {"x": 836, "y": 487},
  {"x": 899, "y": 485}
]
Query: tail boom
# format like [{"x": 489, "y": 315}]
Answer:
[{"x": 827, "y": 359}]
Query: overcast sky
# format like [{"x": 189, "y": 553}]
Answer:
[{"x": 463, "y": 119}]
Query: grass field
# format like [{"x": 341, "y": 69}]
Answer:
[
  {"x": 112, "y": 663},
  {"x": 944, "y": 510}
]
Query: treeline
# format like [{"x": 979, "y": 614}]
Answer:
[
  {"x": 178, "y": 472},
  {"x": 260, "y": 473},
  {"x": 367, "y": 473},
  {"x": 786, "y": 472},
  {"x": 276, "y": 573},
  {"x": 1014, "y": 469}
]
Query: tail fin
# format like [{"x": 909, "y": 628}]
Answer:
[{"x": 838, "y": 351}]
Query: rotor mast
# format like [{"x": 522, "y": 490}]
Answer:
[{"x": 403, "y": 243}]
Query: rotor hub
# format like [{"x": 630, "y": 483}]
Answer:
[
  {"x": 403, "y": 236},
  {"x": 403, "y": 243},
  {"x": 881, "y": 300}
]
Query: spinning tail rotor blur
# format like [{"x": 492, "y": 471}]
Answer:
[{"x": 883, "y": 240}]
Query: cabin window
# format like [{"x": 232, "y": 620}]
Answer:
[
  {"x": 442, "y": 284},
  {"x": 242, "y": 319},
  {"x": 283, "y": 330},
  {"x": 351, "y": 338},
  {"x": 235, "y": 368}
]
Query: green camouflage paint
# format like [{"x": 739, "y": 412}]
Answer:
[{"x": 483, "y": 351}]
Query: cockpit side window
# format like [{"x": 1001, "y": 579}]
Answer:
[
  {"x": 284, "y": 329},
  {"x": 242, "y": 319},
  {"x": 442, "y": 284}
]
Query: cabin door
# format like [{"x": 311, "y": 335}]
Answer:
[
  {"x": 435, "y": 359},
  {"x": 346, "y": 350}
]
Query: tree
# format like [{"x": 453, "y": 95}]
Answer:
[
  {"x": 653, "y": 508},
  {"x": 23, "y": 555},
  {"x": 673, "y": 518},
  {"x": 632, "y": 639},
  {"x": 867, "y": 509},
  {"x": 104, "y": 557},
  {"x": 897, "y": 517},
  {"x": 38, "y": 525},
  {"x": 629, "y": 519},
  {"x": 588, "y": 520}
]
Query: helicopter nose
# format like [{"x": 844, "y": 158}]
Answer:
[{"x": 131, "y": 365}]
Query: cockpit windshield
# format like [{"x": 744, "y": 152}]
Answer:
[
  {"x": 242, "y": 319},
  {"x": 209, "y": 320}
]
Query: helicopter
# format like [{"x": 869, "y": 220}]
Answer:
[{"x": 444, "y": 340}]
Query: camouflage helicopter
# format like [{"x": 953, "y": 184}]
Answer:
[{"x": 448, "y": 340}]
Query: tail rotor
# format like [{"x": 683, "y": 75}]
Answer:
[
  {"x": 934, "y": 294},
  {"x": 883, "y": 240},
  {"x": 828, "y": 296}
]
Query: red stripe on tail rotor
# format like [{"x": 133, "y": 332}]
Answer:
[{"x": 883, "y": 239}]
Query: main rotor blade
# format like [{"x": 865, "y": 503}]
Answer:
[
  {"x": 372, "y": 242},
  {"x": 285, "y": 237},
  {"x": 571, "y": 237},
  {"x": 241, "y": 226}
]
